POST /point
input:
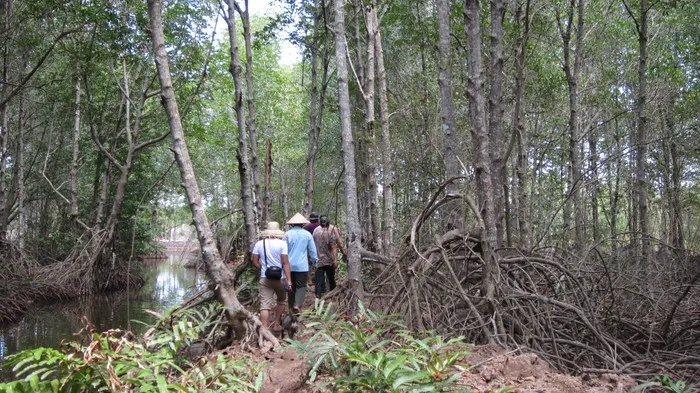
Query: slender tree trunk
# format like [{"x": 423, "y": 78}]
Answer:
[
  {"x": 4, "y": 119},
  {"x": 372, "y": 239},
  {"x": 20, "y": 175},
  {"x": 76, "y": 151},
  {"x": 595, "y": 177},
  {"x": 495, "y": 106},
  {"x": 480, "y": 137},
  {"x": 387, "y": 159},
  {"x": 250, "y": 122},
  {"x": 572, "y": 73},
  {"x": 353, "y": 222},
  {"x": 522, "y": 162},
  {"x": 640, "y": 185},
  {"x": 451, "y": 138},
  {"x": 283, "y": 197},
  {"x": 242, "y": 153},
  {"x": 267, "y": 198},
  {"x": 314, "y": 116},
  {"x": 223, "y": 279},
  {"x": 673, "y": 188}
]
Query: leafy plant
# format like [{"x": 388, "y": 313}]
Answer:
[
  {"x": 371, "y": 352},
  {"x": 667, "y": 384},
  {"x": 113, "y": 362}
]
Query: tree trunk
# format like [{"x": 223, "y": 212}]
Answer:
[
  {"x": 673, "y": 185},
  {"x": 223, "y": 279},
  {"x": 20, "y": 175},
  {"x": 522, "y": 161},
  {"x": 640, "y": 185},
  {"x": 572, "y": 78},
  {"x": 353, "y": 222},
  {"x": 317, "y": 100},
  {"x": 372, "y": 238},
  {"x": 242, "y": 153},
  {"x": 250, "y": 123},
  {"x": 496, "y": 118},
  {"x": 388, "y": 167},
  {"x": 267, "y": 196},
  {"x": 480, "y": 137},
  {"x": 313, "y": 118},
  {"x": 74, "y": 161},
  {"x": 451, "y": 143},
  {"x": 595, "y": 178},
  {"x": 4, "y": 119}
]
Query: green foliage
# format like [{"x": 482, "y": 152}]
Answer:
[
  {"x": 371, "y": 352},
  {"x": 667, "y": 384},
  {"x": 113, "y": 362}
]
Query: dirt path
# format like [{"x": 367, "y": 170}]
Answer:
[{"x": 491, "y": 368}]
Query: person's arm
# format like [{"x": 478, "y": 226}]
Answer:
[
  {"x": 256, "y": 261},
  {"x": 287, "y": 270},
  {"x": 334, "y": 255},
  {"x": 339, "y": 242},
  {"x": 312, "y": 251}
]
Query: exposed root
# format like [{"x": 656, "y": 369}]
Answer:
[{"x": 592, "y": 313}]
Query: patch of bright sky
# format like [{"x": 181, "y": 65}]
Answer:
[{"x": 289, "y": 54}]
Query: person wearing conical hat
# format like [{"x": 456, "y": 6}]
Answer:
[{"x": 302, "y": 251}]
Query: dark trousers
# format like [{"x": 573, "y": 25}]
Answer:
[
  {"x": 296, "y": 298},
  {"x": 320, "y": 279}
]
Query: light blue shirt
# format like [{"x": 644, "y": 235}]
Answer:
[{"x": 301, "y": 246}]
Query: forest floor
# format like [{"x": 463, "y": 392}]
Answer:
[{"x": 489, "y": 368}]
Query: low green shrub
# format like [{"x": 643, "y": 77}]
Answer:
[
  {"x": 371, "y": 352},
  {"x": 114, "y": 362},
  {"x": 666, "y": 384}
]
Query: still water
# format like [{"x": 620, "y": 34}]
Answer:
[{"x": 167, "y": 282}]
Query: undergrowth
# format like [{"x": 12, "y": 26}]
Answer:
[
  {"x": 114, "y": 361},
  {"x": 371, "y": 352}
]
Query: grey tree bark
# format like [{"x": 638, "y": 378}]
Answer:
[
  {"x": 522, "y": 162},
  {"x": 237, "y": 316},
  {"x": 388, "y": 168},
  {"x": 481, "y": 141},
  {"x": 242, "y": 153},
  {"x": 320, "y": 53},
  {"x": 76, "y": 151},
  {"x": 495, "y": 105},
  {"x": 451, "y": 140},
  {"x": 264, "y": 210},
  {"x": 572, "y": 73},
  {"x": 372, "y": 239},
  {"x": 353, "y": 222}
]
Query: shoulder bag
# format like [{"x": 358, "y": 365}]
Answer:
[{"x": 271, "y": 272}]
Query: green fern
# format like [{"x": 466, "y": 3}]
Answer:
[{"x": 371, "y": 352}]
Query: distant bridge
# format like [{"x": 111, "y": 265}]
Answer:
[{"x": 179, "y": 245}]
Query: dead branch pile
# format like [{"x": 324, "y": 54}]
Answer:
[{"x": 583, "y": 313}]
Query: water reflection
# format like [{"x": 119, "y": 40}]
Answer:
[{"x": 167, "y": 283}]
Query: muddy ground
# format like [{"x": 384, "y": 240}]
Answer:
[{"x": 487, "y": 368}]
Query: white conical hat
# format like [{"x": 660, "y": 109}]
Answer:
[{"x": 298, "y": 219}]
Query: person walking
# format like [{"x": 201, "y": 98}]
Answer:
[
  {"x": 328, "y": 242},
  {"x": 302, "y": 251},
  {"x": 270, "y": 255},
  {"x": 313, "y": 224}
]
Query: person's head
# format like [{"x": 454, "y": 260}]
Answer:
[
  {"x": 297, "y": 221},
  {"x": 324, "y": 220},
  {"x": 272, "y": 230},
  {"x": 313, "y": 217}
]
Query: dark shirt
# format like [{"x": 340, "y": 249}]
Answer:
[{"x": 311, "y": 226}]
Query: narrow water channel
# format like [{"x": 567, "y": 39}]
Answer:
[{"x": 167, "y": 283}]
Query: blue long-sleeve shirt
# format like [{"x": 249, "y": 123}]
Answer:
[{"x": 301, "y": 246}]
